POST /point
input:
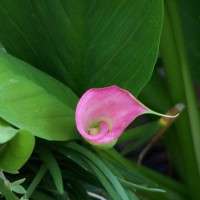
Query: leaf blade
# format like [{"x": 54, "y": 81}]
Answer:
[
  {"x": 17, "y": 151},
  {"x": 94, "y": 44},
  {"x": 27, "y": 102}
]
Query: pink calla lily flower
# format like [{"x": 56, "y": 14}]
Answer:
[{"x": 102, "y": 114}]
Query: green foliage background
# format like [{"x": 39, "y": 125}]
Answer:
[{"x": 52, "y": 52}]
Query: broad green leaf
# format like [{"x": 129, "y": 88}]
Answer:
[
  {"x": 6, "y": 131},
  {"x": 17, "y": 151},
  {"x": 155, "y": 94},
  {"x": 32, "y": 100},
  {"x": 85, "y": 43}
]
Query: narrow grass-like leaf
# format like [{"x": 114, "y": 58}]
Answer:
[
  {"x": 133, "y": 186},
  {"x": 130, "y": 175},
  {"x": 79, "y": 191},
  {"x": 106, "y": 171},
  {"x": 53, "y": 167},
  {"x": 134, "y": 177},
  {"x": 72, "y": 155},
  {"x": 128, "y": 184},
  {"x": 89, "y": 165},
  {"x": 140, "y": 132},
  {"x": 37, "y": 195},
  {"x": 105, "y": 182},
  {"x": 38, "y": 177},
  {"x": 139, "y": 136},
  {"x": 131, "y": 195},
  {"x": 174, "y": 189},
  {"x": 59, "y": 196}
]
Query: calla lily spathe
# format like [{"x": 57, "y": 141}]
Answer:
[{"x": 102, "y": 114}]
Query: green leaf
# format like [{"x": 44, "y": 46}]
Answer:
[
  {"x": 37, "y": 195},
  {"x": 134, "y": 177},
  {"x": 78, "y": 169},
  {"x": 6, "y": 131},
  {"x": 20, "y": 181},
  {"x": 105, "y": 182},
  {"x": 33, "y": 101},
  {"x": 36, "y": 180},
  {"x": 98, "y": 164},
  {"x": 85, "y": 43},
  {"x": 142, "y": 132},
  {"x": 123, "y": 173},
  {"x": 17, "y": 151},
  {"x": 139, "y": 135},
  {"x": 132, "y": 186},
  {"x": 7, "y": 192},
  {"x": 53, "y": 167},
  {"x": 18, "y": 189},
  {"x": 79, "y": 191},
  {"x": 15, "y": 186},
  {"x": 189, "y": 12},
  {"x": 155, "y": 94},
  {"x": 180, "y": 83},
  {"x": 59, "y": 196}
]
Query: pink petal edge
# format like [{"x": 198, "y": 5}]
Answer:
[{"x": 113, "y": 106}]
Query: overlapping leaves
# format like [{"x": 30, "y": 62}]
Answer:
[
  {"x": 85, "y": 43},
  {"x": 33, "y": 101}
]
